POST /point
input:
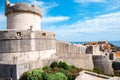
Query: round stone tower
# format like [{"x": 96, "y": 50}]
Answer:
[{"x": 23, "y": 16}]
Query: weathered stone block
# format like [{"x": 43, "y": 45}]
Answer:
[
  {"x": 103, "y": 63},
  {"x": 15, "y": 46}
]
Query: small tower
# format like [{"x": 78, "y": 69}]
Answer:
[{"x": 22, "y": 16}]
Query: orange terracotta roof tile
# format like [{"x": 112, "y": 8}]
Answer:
[{"x": 117, "y": 54}]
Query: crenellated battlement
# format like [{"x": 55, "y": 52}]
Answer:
[
  {"x": 22, "y": 7},
  {"x": 23, "y": 16}
]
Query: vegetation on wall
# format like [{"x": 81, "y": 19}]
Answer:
[
  {"x": 35, "y": 74},
  {"x": 56, "y": 71},
  {"x": 59, "y": 71}
]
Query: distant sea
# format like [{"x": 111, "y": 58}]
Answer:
[{"x": 116, "y": 43}]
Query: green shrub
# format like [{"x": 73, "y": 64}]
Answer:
[
  {"x": 72, "y": 67},
  {"x": 54, "y": 64},
  {"x": 64, "y": 65},
  {"x": 61, "y": 71},
  {"x": 47, "y": 69},
  {"x": 61, "y": 76},
  {"x": 48, "y": 76},
  {"x": 67, "y": 73},
  {"x": 55, "y": 69},
  {"x": 35, "y": 74},
  {"x": 25, "y": 76},
  {"x": 56, "y": 76}
]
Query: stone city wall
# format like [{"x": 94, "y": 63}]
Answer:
[
  {"x": 64, "y": 47},
  {"x": 32, "y": 49},
  {"x": 8, "y": 72},
  {"x": 74, "y": 54},
  {"x": 25, "y": 41},
  {"x": 93, "y": 49},
  {"x": 17, "y": 46},
  {"x": 25, "y": 50},
  {"x": 103, "y": 63},
  {"x": 14, "y": 71}
]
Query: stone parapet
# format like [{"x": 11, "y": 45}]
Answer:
[
  {"x": 22, "y": 7},
  {"x": 14, "y": 41},
  {"x": 25, "y": 34},
  {"x": 65, "y": 47}
]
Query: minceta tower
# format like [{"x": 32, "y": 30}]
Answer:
[{"x": 23, "y": 16}]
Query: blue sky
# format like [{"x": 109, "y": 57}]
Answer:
[{"x": 77, "y": 20}]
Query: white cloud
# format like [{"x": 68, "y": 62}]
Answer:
[
  {"x": 51, "y": 19},
  {"x": 113, "y": 5},
  {"x": 103, "y": 27},
  {"x": 100, "y": 23},
  {"x": 35, "y": 2},
  {"x": 83, "y": 1},
  {"x": 45, "y": 7},
  {"x": 2, "y": 21},
  {"x": 2, "y": 18},
  {"x": 108, "y": 22}
]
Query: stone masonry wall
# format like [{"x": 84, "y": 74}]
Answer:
[
  {"x": 25, "y": 46},
  {"x": 64, "y": 47},
  {"x": 33, "y": 49},
  {"x": 74, "y": 55},
  {"x": 93, "y": 49},
  {"x": 25, "y": 49},
  {"x": 25, "y": 41},
  {"x": 103, "y": 63}
]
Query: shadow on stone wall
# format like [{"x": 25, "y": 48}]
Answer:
[
  {"x": 116, "y": 65},
  {"x": 103, "y": 63}
]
